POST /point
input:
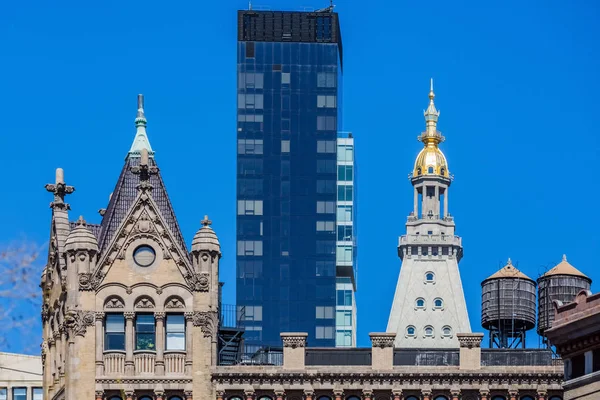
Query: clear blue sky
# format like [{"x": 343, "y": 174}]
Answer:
[{"x": 517, "y": 84}]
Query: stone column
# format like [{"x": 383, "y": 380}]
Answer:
[
  {"x": 437, "y": 201},
  {"x": 188, "y": 394},
  {"x": 382, "y": 350},
  {"x": 589, "y": 362},
  {"x": 249, "y": 394},
  {"x": 416, "y": 203},
  {"x": 470, "y": 350},
  {"x": 426, "y": 394},
  {"x": 542, "y": 394},
  {"x": 159, "y": 392},
  {"x": 338, "y": 394},
  {"x": 189, "y": 343},
  {"x": 513, "y": 394},
  {"x": 51, "y": 357},
  {"x": 455, "y": 393},
  {"x": 309, "y": 394},
  {"x": 129, "y": 394},
  {"x": 484, "y": 394},
  {"x": 64, "y": 346},
  {"x": 99, "y": 394},
  {"x": 397, "y": 394},
  {"x": 159, "y": 363},
  {"x": 279, "y": 394},
  {"x": 99, "y": 344},
  {"x": 220, "y": 395},
  {"x": 367, "y": 394},
  {"x": 294, "y": 350},
  {"x": 129, "y": 343},
  {"x": 446, "y": 202}
]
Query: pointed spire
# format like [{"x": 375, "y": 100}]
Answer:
[
  {"x": 509, "y": 261},
  {"x": 431, "y": 136},
  {"x": 564, "y": 257},
  {"x": 141, "y": 138}
]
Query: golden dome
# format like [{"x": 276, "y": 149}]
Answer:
[{"x": 431, "y": 160}]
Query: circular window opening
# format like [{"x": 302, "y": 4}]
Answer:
[{"x": 144, "y": 256}]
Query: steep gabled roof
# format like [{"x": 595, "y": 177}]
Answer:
[{"x": 126, "y": 189}]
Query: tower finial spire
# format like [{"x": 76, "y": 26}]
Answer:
[
  {"x": 141, "y": 138},
  {"x": 431, "y": 136}
]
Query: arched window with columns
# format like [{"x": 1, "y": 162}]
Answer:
[
  {"x": 527, "y": 397},
  {"x": 352, "y": 398},
  {"x": 264, "y": 398},
  {"x": 145, "y": 398},
  {"x": 412, "y": 398},
  {"x": 235, "y": 398},
  {"x": 324, "y": 398},
  {"x": 498, "y": 398},
  {"x": 175, "y": 398},
  {"x": 440, "y": 397},
  {"x": 555, "y": 398},
  {"x": 115, "y": 398}
]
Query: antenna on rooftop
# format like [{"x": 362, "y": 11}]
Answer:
[
  {"x": 250, "y": 5},
  {"x": 327, "y": 9}
]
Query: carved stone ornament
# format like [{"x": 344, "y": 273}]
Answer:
[
  {"x": 114, "y": 302},
  {"x": 294, "y": 341},
  {"x": 198, "y": 282},
  {"x": 77, "y": 321},
  {"x": 144, "y": 302},
  {"x": 206, "y": 320},
  {"x": 89, "y": 282},
  {"x": 174, "y": 302},
  {"x": 469, "y": 340},
  {"x": 382, "y": 340}
]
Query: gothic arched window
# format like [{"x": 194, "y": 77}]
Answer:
[
  {"x": 498, "y": 398},
  {"x": 429, "y": 277},
  {"x": 235, "y": 398},
  {"x": 420, "y": 303},
  {"x": 440, "y": 398},
  {"x": 353, "y": 398},
  {"x": 438, "y": 303},
  {"x": 527, "y": 398},
  {"x": 412, "y": 398},
  {"x": 410, "y": 331}
]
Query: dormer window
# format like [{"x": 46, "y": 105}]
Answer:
[{"x": 419, "y": 171}]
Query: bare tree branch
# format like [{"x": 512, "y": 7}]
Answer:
[{"x": 20, "y": 295}]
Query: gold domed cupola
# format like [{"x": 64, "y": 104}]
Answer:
[{"x": 431, "y": 160}]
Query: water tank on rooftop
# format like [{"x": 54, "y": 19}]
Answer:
[
  {"x": 508, "y": 307},
  {"x": 562, "y": 283}
]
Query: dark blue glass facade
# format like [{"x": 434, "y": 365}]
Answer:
[{"x": 287, "y": 187}]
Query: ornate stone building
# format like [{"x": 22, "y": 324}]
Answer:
[
  {"x": 129, "y": 313},
  {"x": 127, "y": 309}
]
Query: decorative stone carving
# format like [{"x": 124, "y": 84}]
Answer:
[
  {"x": 100, "y": 316},
  {"x": 469, "y": 340},
  {"x": 77, "y": 321},
  {"x": 198, "y": 282},
  {"x": 382, "y": 340},
  {"x": 188, "y": 394},
  {"x": 114, "y": 302},
  {"x": 294, "y": 340},
  {"x": 144, "y": 302},
  {"x": 367, "y": 394},
  {"x": 129, "y": 315},
  {"x": 174, "y": 302},
  {"x": 159, "y": 315},
  {"x": 206, "y": 320},
  {"x": 89, "y": 282}
]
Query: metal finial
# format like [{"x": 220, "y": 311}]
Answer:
[
  {"x": 564, "y": 257},
  {"x": 431, "y": 94},
  {"x": 206, "y": 221},
  {"x": 140, "y": 101},
  {"x": 81, "y": 221},
  {"x": 250, "y": 5},
  {"x": 509, "y": 261}
]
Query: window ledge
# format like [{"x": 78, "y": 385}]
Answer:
[
  {"x": 144, "y": 351},
  {"x": 175, "y": 352},
  {"x": 114, "y": 351}
]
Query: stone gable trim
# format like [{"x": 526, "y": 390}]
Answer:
[{"x": 138, "y": 381}]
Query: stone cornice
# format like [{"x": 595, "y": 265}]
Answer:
[
  {"x": 144, "y": 380},
  {"x": 390, "y": 380}
]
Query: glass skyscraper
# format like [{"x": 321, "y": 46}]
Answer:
[{"x": 295, "y": 234}]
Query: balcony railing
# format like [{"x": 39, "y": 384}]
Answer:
[
  {"x": 503, "y": 357},
  {"x": 427, "y": 357},
  {"x": 425, "y": 239},
  {"x": 144, "y": 362},
  {"x": 114, "y": 363},
  {"x": 231, "y": 315},
  {"x": 175, "y": 362}
]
